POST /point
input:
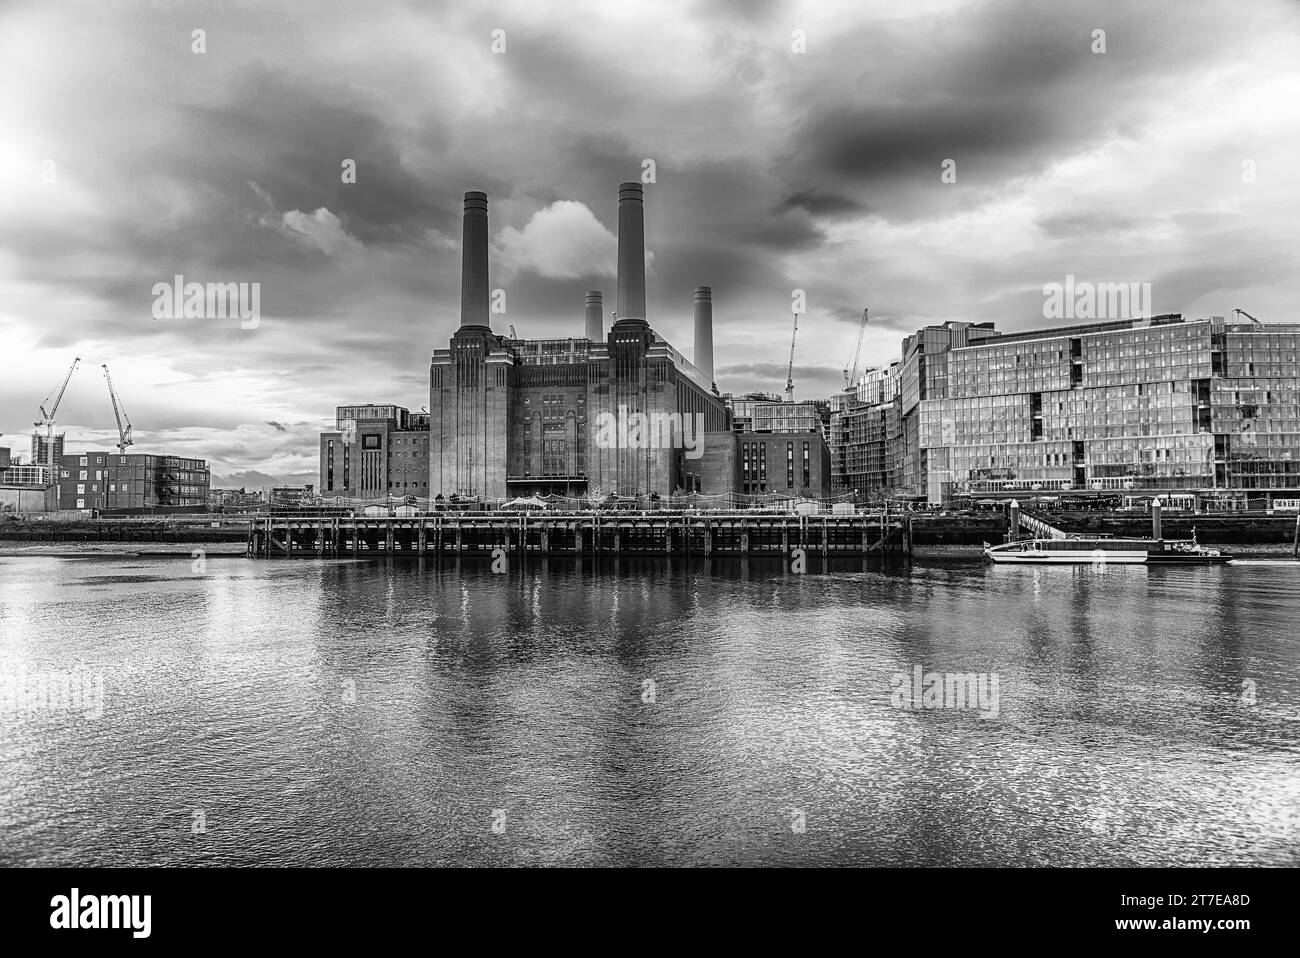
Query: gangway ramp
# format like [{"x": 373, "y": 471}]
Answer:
[{"x": 1040, "y": 527}]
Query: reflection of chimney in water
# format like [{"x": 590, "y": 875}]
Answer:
[{"x": 704, "y": 330}]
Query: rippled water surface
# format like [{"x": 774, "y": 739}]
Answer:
[{"x": 367, "y": 713}]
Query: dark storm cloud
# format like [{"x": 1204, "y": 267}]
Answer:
[
  {"x": 739, "y": 11},
  {"x": 775, "y": 171},
  {"x": 1091, "y": 223},
  {"x": 1003, "y": 90},
  {"x": 299, "y": 133},
  {"x": 820, "y": 203}
]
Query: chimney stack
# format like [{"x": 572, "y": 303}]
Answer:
[
  {"x": 595, "y": 316},
  {"x": 474, "y": 310},
  {"x": 630, "y": 301},
  {"x": 704, "y": 330}
]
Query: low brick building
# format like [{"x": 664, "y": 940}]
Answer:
[
  {"x": 374, "y": 451},
  {"x": 101, "y": 480}
]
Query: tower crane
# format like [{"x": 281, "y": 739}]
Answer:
[
  {"x": 857, "y": 351},
  {"x": 1242, "y": 312},
  {"x": 123, "y": 435},
  {"x": 789, "y": 373},
  {"x": 47, "y": 417}
]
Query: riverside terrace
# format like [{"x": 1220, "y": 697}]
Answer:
[{"x": 497, "y": 534}]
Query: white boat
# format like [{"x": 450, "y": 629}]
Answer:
[{"x": 1080, "y": 550}]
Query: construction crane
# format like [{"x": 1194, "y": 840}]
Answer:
[
  {"x": 857, "y": 351},
  {"x": 123, "y": 435},
  {"x": 47, "y": 417},
  {"x": 513, "y": 334},
  {"x": 789, "y": 373},
  {"x": 1242, "y": 312}
]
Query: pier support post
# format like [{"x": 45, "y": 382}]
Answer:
[
  {"x": 320, "y": 538},
  {"x": 460, "y": 543},
  {"x": 388, "y": 537},
  {"x": 1295, "y": 542},
  {"x": 1156, "y": 506},
  {"x": 825, "y": 536},
  {"x": 356, "y": 537},
  {"x": 421, "y": 543},
  {"x": 708, "y": 537}
]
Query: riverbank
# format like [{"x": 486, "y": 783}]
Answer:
[
  {"x": 966, "y": 553},
  {"x": 75, "y": 550},
  {"x": 959, "y": 552}
]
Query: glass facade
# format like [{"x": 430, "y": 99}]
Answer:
[
  {"x": 1160, "y": 403},
  {"x": 1156, "y": 404},
  {"x": 867, "y": 448},
  {"x": 785, "y": 417}
]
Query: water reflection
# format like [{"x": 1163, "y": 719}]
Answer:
[{"x": 643, "y": 711}]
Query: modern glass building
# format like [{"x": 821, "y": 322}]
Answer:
[
  {"x": 1155, "y": 404},
  {"x": 866, "y": 433}
]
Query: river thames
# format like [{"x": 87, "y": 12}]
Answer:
[{"x": 647, "y": 713}]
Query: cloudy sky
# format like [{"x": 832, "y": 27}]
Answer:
[{"x": 783, "y": 160}]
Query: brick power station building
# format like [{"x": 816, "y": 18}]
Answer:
[
  {"x": 616, "y": 410},
  {"x": 1158, "y": 404}
]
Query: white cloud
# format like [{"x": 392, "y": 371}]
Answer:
[
  {"x": 562, "y": 241},
  {"x": 320, "y": 230}
]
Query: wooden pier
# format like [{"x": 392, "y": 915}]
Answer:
[{"x": 581, "y": 533}]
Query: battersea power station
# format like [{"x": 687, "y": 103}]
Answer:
[{"x": 615, "y": 410}]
